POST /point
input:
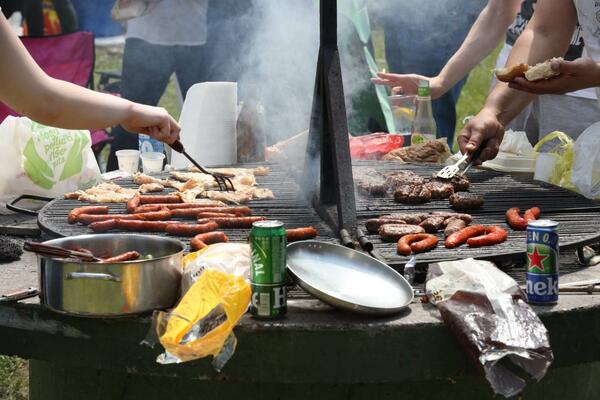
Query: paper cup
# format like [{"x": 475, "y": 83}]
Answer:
[
  {"x": 544, "y": 166},
  {"x": 129, "y": 160},
  {"x": 152, "y": 162}
]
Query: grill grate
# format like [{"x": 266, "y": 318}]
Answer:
[
  {"x": 286, "y": 206},
  {"x": 578, "y": 217}
]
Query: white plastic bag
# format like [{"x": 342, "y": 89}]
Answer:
[
  {"x": 45, "y": 161},
  {"x": 516, "y": 142},
  {"x": 585, "y": 173}
]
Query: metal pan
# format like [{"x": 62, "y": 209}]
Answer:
[{"x": 347, "y": 279}]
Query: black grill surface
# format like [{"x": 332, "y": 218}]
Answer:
[
  {"x": 286, "y": 206},
  {"x": 579, "y": 217}
]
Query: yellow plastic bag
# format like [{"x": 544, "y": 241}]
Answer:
[
  {"x": 202, "y": 323},
  {"x": 561, "y": 145}
]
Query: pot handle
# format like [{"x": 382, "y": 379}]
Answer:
[
  {"x": 93, "y": 275},
  {"x": 21, "y": 210}
]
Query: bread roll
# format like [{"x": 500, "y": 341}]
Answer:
[
  {"x": 541, "y": 70},
  {"x": 509, "y": 73}
]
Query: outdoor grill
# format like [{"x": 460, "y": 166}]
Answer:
[{"x": 339, "y": 212}]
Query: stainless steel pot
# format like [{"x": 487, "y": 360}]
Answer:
[{"x": 112, "y": 289}]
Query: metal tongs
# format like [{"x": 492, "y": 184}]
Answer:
[
  {"x": 222, "y": 180},
  {"x": 450, "y": 171},
  {"x": 60, "y": 252}
]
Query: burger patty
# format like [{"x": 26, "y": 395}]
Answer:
[
  {"x": 393, "y": 232},
  {"x": 412, "y": 194},
  {"x": 466, "y": 201}
]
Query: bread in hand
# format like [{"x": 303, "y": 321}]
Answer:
[
  {"x": 541, "y": 70},
  {"x": 509, "y": 73}
]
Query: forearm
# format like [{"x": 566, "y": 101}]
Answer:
[{"x": 485, "y": 34}]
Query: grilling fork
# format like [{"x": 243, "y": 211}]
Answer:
[
  {"x": 222, "y": 180},
  {"x": 450, "y": 171}
]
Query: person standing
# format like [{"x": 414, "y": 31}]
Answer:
[
  {"x": 168, "y": 39},
  {"x": 421, "y": 36}
]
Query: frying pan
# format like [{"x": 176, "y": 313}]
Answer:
[{"x": 347, "y": 279}]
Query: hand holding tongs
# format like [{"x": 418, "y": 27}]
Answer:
[
  {"x": 48, "y": 250},
  {"x": 222, "y": 180},
  {"x": 450, "y": 171}
]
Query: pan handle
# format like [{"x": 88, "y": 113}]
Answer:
[
  {"x": 13, "y": 207},
  {"x": 93, "y": 275}
]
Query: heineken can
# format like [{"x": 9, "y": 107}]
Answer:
[
  {"x": 542, "y": 262},
  {"x": 267, "y": 253},
  {"x": 268, "y": 301}
]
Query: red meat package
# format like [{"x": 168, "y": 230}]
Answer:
[{"x": 374, "y": 146}]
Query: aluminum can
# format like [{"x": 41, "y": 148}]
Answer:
[
  {"x": 542, "y": 262},
  {"x": 268, "y": 301},
  {"x": 267, "y": 253}
]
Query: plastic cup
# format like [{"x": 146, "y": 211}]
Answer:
[
  {"x": 152, "y": 162},
  {"x": 129, "y": 160},
  {"x": 544, "y": 166}
]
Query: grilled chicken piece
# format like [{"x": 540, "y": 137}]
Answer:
[{"x": 151, "y": 187}]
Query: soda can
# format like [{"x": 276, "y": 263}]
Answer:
[
  {"x": 268, "y": 301},
  {"x": 542, "y": 262},
  {"x": 148, "y": 144},
  {"x": 268, "y": 253}
]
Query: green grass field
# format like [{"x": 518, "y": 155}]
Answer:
[{"x": 13, "y": 371}]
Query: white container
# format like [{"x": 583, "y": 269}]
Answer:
[
  {"x": 507, "y": 162},
  {"x": 129, "y": 160},
  {"x": 208, "y": 124},
  {"x": 544, "y": 166},
  {"x": 152, "y": 162}
]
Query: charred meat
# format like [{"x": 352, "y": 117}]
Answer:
[
  {"x": 453, "y": 225},
  {"x": 412, "y": 194},
  {"x": 374, "y": 224},
  {"x": 440, "y": 189},
  {"x": 466, "y": 201},
  {"x": 433, "y": 223},
  {"x": 393, "y": 232}
]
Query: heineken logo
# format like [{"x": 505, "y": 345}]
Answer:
[{"x": 540, "y": 261}]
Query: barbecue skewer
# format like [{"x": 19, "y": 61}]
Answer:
[{"x": 222, "y": 180}]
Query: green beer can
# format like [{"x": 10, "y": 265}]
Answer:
[
  {"x": 267, "y": 253},
  {"x": 268, "y": 301}
]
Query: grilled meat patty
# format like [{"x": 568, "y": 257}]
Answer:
[
  {"x": 466, "y": 201},
  {"x": 393, "y": 232},
  {"x": 412, "y": 194},
  {"x": 433, "y": 223},
  {"x": 374, "y": 224},
  {"x": 440, "y": 189}
]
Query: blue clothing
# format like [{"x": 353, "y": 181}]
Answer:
[{"x": 422, "y": 42}]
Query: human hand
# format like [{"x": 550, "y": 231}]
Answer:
[
  {"x": 408, "y": 83},
  {"x": 482, "y": 135},
  {"x": 574, "y": 75},
  {"x": 152, "y": 121}
]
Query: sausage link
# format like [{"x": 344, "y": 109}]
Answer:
[
  {"x": 305, "y": 233},
  {"x": 179, "y": 229},
  {"x": 460, "y": 237},
  {"x": 204, "y": 239},
  {"x": 74, "y": 213},
  {"x": 238, "y": 222},
  {"x": 129, "y": 256},
  {"x": 142, "y": 226},
  {"x": 133, "y": 203},
  {"x": 173, "y": 206},
  {"x": 104, "y": 226},
  {"x": 211, "y": 214},
  {"x": 417, "y": 242},
  {"x": 160, "y": 198},
  {"x": 514, "y": 219},
  {"x": 494, "y": 235},
  {"x": 154, "y": 215},
  {"x": 532, "y": 214},
  {"x": 87, "y": 219}
]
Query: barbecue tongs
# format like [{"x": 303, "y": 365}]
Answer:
[
  {"x": 450, "y": 171},
  {"x": 222, "y": 180}
]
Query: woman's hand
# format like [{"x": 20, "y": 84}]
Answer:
[
  {"x": 153, "y": 121},
  {"x": 574, "y": 75},
  {"x": 408, "y": 83}
]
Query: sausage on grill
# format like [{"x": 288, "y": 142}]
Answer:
[
  {"x": 87, "y": 219},
  {"x": 446, "y": 214},
  {"x": 417, "y": 243},
  {"x": 518, "y": 223},
  {"x": 74, "y": 213},
  {"x": 178, "y": 229},
  {"x": 160, "y": 198},
  {"x": 460, "y": 237},
  {"x": 193, "y": 212},
  {"x": 104, "y": 226},
  {"x": 204, "y": 239},
  {"x": 493, "y": 235},
  {"x": 227, "y": 222},
  {"x": 133, "y": 203},
  {"x": 172, "y": 206},
  {"x": 393, "y": 232},
  {"x": 129, "y": 256},
  {"x": 296, "y": 234}
]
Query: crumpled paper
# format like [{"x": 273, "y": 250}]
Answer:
[
  {"x": 486, "y": 311},
  {"x": 516, "y": 142}
]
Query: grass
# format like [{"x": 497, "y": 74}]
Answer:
[{"x": 14, "y": 377}]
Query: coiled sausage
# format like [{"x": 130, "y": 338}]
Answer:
[
  {"x": 417, "y": 243},
  {"x": 204, "y": 239},
  {"x": 460, "y": 237}
]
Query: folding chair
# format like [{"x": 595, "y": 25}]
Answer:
[{"x": 69, "y": 57}]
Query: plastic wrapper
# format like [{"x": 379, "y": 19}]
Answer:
[
  {"x": 231, "y": 258},
  {"x": 586, "y": 162},
  {"x": 561, "y": 145},
  {"x": 217, "y": 295},
  {"x": 516, "y": 142},
  {"x": 374, "y": 146},
  {"x": 486, "y": 311}
]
